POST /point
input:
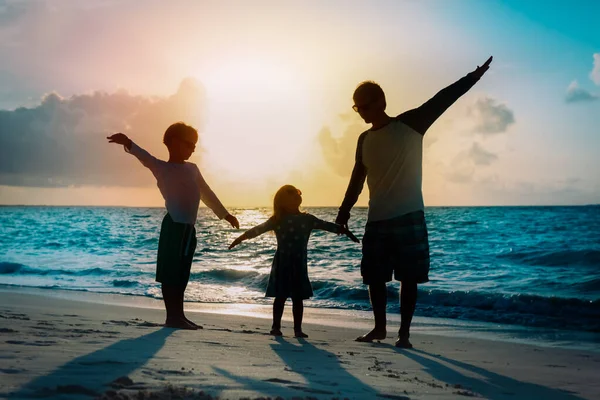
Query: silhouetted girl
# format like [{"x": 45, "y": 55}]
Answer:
[{"x": 289, "y": 273}]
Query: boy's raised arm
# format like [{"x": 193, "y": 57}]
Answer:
[{"x": 147, "y": 160}]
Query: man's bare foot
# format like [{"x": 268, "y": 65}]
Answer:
[
  {"x": 403, "y": 342},
  {"x": 276, "y": 332},
  {"x": 373, "y": 335},
  {"x": 193, "y": 323},
  {"x": 300, "y": 334},
  {"x": 180, "y": 324}
]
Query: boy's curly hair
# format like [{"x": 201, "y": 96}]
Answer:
[{"x": 180, "y": 130}]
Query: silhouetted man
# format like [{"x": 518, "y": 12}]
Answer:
[{"x": 390, "y": 157}]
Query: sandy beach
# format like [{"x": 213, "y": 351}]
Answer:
[{"x": 69, "y": 348}]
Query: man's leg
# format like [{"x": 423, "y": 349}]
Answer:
[
  {"x": 278, "y": 305},
  {"x": 408, "y": 303},
  {"x": 378, "y": 296}
]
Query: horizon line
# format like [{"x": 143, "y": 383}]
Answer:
[{"x": 312, "y": 206}]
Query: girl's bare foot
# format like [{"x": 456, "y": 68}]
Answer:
[
  {"x": 300, "y": 334},
  {"x": 373, "y": 335},
  {"x": 276, "y": 332}
]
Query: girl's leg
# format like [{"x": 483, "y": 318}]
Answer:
[
  {"x": 278, "y": 305},
  {"x": 298, "y": 311}
]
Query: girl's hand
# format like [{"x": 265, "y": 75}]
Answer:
[
  {"x": 347, "y": 232},
  {"x": 235, "y": 242}
]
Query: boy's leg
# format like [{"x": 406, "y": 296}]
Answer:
[
  {"x": 278, "y": 305},
  {"x": 181, "y": 302},
  {"x": 298, "y": 312},
  {"x": 408, "y": 303},
  {"x": 175, "y": 318}
]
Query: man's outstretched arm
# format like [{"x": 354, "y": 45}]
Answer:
[
  {"x": 357, "y": 181},
  {"x": 421, "y": 118}
]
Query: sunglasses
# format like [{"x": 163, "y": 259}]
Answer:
[
  {"x": 364, "y": 107},
  {"x": 294, "y": 191}
]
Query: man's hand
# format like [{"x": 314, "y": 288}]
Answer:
[
  {"x": 342, "y": 220},
  {"x": 233, "y": 221},
  {"x": 479, "y": 71},
  {"x": 235, "y": 242},
  {"x": 120, "y": 138}
]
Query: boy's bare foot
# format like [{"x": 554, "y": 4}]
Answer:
[
  {"x": 276, "y": 332},
  {"x": 300, "y": 334},
  {"x": 373, "y": 335},
  {"x": 403, "y": 342},
  {"x": 180, "y": 324},
  {"x": 193, "y": 323}
]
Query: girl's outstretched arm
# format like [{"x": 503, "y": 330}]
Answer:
[
  {"x": 331, "y": 227},
  {"x": 258, "y": 230}
]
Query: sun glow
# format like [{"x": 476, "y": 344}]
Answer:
[{"x": 259, "y": 124}]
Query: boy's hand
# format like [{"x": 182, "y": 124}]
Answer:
[
  {"x": 233, "y": 221},
  {"x": 120, "y": 138},
  {"x": 235, "y": 243}
]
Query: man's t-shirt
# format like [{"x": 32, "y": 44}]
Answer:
[{"x": 391, "y": 159}]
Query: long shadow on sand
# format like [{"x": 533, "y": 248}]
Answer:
[
  {"x": 322, "y": 374},
  {"x": 492, "y": 385},
  {"x": 90, "y": 374}
]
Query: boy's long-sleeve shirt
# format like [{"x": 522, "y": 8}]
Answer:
[{"x": 181, "y": 185}]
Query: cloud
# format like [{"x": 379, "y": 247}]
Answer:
[
  {"x": 481, "y": 156},
  {"x": 595, "y": 74},
  {"x": 489, "y": 116},
  {"x": 339, "y": 152},
  {"x": 465, "y": 164},
  {"x": 61, "y": 142},
  {"x": 576, "y": 94}
]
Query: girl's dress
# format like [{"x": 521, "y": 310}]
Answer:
[{"x": 289, "y": 272}]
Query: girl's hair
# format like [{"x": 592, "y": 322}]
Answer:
[{"x": 278, "y": 202}]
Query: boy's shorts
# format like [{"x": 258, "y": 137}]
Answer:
[
  {"x": 400, "y": 246},
  {"x": 176, "y": 248}
]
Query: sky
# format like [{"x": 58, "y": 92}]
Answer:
[{"x": 269, "y": 85}]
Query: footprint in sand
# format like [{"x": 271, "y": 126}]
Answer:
[
  {"x": 36, "y": 343},
  {"x": 9, "y": 315},
  {"x": 68, "y": 389},
  {"x": 310, "y": 390},
  {"x": 12, "y": 370},
  {"x": 393, "y": 396}
]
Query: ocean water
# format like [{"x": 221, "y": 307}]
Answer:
[{"x": 530, "y": 266}]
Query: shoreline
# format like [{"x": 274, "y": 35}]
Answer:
[
  {"x": 344, "y": 318},
  {"x": 61, "y": 348}
]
